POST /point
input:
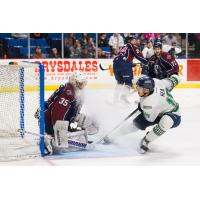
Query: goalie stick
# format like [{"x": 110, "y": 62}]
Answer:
[{"x": 74, "y": 143}]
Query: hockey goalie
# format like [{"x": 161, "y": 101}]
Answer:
[{"x": 66, "y": 129}]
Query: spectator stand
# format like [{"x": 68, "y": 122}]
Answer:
[
  {"x": 16, "y": 45},
  {"x": 76, "y": 45},
  {"x": 13, "y": 45}
]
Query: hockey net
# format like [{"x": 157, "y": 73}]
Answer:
[{"x": 20, "y": 97}]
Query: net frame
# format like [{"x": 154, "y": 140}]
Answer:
[{"x": 19, "y": 139}]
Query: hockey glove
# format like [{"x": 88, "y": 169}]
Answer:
[
  {"x": 145, "y": 69},
  {"x": 159, "y": 73},
  {"x": 73, "y": 126}
]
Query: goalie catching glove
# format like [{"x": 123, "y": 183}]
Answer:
[{"x": 73, "y": 127}]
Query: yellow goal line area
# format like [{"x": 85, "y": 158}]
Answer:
[
  {"x": 28, "y": 88},
  {"x": 89, "y": 86}
]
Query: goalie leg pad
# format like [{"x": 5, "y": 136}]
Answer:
[
  {"x": 65, "y": 139},
  {"x": 80, "y": 139},
  {"x": 61, "y": 139},
  {"x": 61, "y": 125}
]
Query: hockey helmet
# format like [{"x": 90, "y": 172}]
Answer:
[
  {"x": 157, "y": 44},
  {"x": 78, "y": 80},
  {"x": 132, "y": 37},
  {"x": 146, "y": 82}
]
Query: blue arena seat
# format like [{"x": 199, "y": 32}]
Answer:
[
  {"x": 16, "y": 42},
  {"x": 54, "y": 35},
  {"x": 24, "y": 51},
  {"x": 15, "y": 51},
  {"x": 12, "y": 42},
  {"x": 93, "y": 35},
  {"x": 38, "y": 42},
  {"x": 41, "y": 42},
  {"x": 106, "y": 49},
  {"x": 33, "y": 43},
  {"x": 5, "y": 35},
  {"x": 78, "y": 35},
  {"x": 56, "y": 43},
  {"x": 109, "y": 35},
  {"x": 23, "y": 42},
  {"x": 32, "y": 50}
]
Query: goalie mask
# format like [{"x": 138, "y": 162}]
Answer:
[{"x": 78, "y": 80}]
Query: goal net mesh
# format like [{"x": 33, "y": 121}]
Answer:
[{"x": 19, "y": 100}]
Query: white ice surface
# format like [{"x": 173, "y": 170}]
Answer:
[{"x": 179, "y": 146}]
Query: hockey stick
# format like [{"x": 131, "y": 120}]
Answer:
[
  {"x": 37, "y": 134},
  {"x": 116, "y": 127},
  {"x": 29, "y": 133},
  {"x": 74, "y": 143},
  {"x": 103, "y": 69}
]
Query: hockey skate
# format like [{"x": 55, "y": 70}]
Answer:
[{"x": 144, "y": 146}]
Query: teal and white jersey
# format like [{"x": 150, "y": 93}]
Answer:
[{"x": 161, "y": 100}]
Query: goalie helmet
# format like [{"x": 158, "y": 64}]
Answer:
[
  {"x": 146, "y": 82},
  {"x": 78, "y": 80}
]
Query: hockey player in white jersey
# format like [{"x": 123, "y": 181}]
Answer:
[{"x": 157, "y": 108}]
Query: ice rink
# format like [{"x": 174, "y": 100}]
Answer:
[{"x": 179, "y": 146}]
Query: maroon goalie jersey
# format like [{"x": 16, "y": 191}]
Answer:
[
  {"x": 163, "y": 66},
  {"x": 62, "y": 105}
]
